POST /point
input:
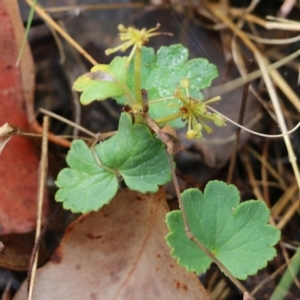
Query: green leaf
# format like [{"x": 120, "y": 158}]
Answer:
[
  {"x": 138, "y": 156},
  {"x": 237, "y": 234},
  {"x": 132, "y": 152},
  {"x": 84, "y": 186},
  {"x": 161, "y": 74},
  {"x": 148, "y": 59},
  {"x": 103, "y": 81}
]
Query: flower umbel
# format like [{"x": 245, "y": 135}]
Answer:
[
  {"x": 134, "y": 37},
  {"x": 195, "y": 112}
]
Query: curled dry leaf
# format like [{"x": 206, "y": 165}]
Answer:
[
  {"x": 246, "y": 296},
  {"x": 6, "y": 132},
  {"x": 167, "y": 135},
  {"x": 117, "y": 253}
]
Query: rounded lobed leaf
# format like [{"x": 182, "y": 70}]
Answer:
[
  {"x": 237, "y": 234},
  {"x": 132, "y": 152},
  {"x": 85, "y": 186},
  {"x": 161, "y": 74},
  {"x": 103, "y": 81},
  {"x": 138, "y": 156}
]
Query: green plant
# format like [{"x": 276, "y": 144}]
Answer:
[{"x": 164, "y": 89}]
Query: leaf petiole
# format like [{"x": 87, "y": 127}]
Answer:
[
  {"x": 168, "y": 118},
  {"x": 99, "y": 162},
  {"x": 137, "y": 76}
]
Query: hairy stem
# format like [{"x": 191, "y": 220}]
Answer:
[
  {"x": 137, "y": 76},
  {"x": 168, "y": 118}
]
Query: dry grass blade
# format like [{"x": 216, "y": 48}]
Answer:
[
  {"x": 93, "y": 7},
  {"x": 271, "y": 78},
  {"x": 274, "y": 41},
  {"x": 41, "y": 191},
  {"x": 220, "y": 290},
  {"x": 271, "y": 170},
  {"x": 56, "y": 27},
  {"x": 288, "y": 214},
  {"x": 238, "y": 132},
  {"x": 263, "y": 63},
  {"x": 284, "y": 200},
  {"x": 66, "y": 121},
  {"x": 229, "y": 86},
  {"x": 288, "y": 278},
  {"x": 249, "y": 169}
]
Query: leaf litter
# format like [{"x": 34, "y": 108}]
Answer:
[
  {"x": 220, "y": 147},
  {"x": 119, "y": 253}
]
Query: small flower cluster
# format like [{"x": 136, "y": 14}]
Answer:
[
  {"x": 133, "y": 37},
  {"x": 192, "y": 110},
  {"x": 196, "y": 113}
]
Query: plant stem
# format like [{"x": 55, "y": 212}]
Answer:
[
  {"x": 238, "y": 131},
  {"x": 199, "y": 244},
  {"x": 137, "y": 76},
  {"x": 168, "y": 118}
]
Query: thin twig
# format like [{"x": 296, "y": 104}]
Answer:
[
  {"x": 62, "y": 119},
  {"x": 238, "y": 131},
  {"x": 264, "y": 173},
  {"x": 36, "y": 127},
  {"x": 54, "y": 25},
  {"x": 289, "y": 194},
  {"x": 264, "y": 282},
  {"x": 268, "y": 167},
  {"x": 271, "y": 136},
  {"x": 252, "y": 180},
  {"x": 231, "y": 85},
  {"x": 93, "y": 7},
  {"x": 288, "y": 214},
  {"x": 38, "y": 241},
  {"x": 274, "y": 41},
  {"x": 41, "y": 192}
]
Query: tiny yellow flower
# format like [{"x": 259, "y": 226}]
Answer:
[
  {"x": 195, "y": 112},
  {"x": 133, "y": 37},
  {"x": 185, "y": 83},
  {"x": 219, "y": 120},
  {"x": 191, "y": 134}
]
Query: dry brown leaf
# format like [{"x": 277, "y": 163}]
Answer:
[
  {"x": 167, "y": 135},
  {"x": 117, "y": 253},
  {"x": 26, "y": 67},
  {"x": 17, "y": 249},
  {"x": 19, "y": 161}
]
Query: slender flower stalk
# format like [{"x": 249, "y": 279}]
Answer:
[
  {"x": 135, "y": 38},
  {"x": 194, "y": 112},
  {"x": 137, "y": 76}
]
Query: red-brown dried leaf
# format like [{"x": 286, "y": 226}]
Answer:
[
  {"x": 19, "y": 161},
  {"x": 119, "y": 253}
]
